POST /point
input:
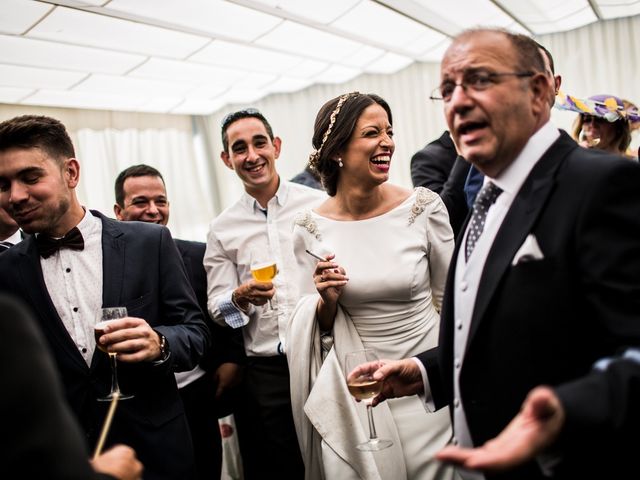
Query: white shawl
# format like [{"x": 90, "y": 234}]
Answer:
[{"x": 329, "y": 423}]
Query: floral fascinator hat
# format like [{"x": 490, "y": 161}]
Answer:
[{"x": 609, "y": 107}]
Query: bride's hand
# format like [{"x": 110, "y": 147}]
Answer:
[{"x": 329, "y": 278}]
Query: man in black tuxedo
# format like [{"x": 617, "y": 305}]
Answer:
[
  {"x": 79, "y": 261},
  {"x": 544, "y": 282},
  {"x": 41, "y": 437},
  {"x": 141, "y": 195}
]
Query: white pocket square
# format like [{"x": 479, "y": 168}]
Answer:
[{"x": 528, "y": 251}]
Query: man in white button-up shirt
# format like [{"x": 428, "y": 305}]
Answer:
[
  {"x": 551, "y": 285},
  {"x": 262, "y": 219}
]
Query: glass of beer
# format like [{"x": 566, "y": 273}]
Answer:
[
  {"x": 106, "y": 315},
  {"x": 363, "y": 387},
  {"x": 263, "y": 267}
]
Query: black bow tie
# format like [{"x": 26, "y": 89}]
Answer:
[{"x": 47, "y": 246}]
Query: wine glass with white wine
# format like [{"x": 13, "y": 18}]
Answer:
[
  {"x": 363, "y": 387},
  {"x": 263, "y": 268},
  {"x": 106, "y": 315}
]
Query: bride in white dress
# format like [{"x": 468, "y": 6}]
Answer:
[{"x": 388, "y": 251}]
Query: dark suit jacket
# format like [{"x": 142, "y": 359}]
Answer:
[
  {"x": 308, "y": 178},
  {"x": 430, "y": 166},
  {"x": 227, "y": 343},
  {"x": 41, "y": 438},
  {"x": 142, "y": 271},
  {"x": 547, "y": 321},
  {"x": 439, "y": 168}
]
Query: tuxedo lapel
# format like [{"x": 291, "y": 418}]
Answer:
[
  {"x": 113, "y": 258},
  {"x": 40, "y": 300},
  {"x": 518, "y": 223}
]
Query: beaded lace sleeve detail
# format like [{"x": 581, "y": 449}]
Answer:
[
  {"x": 424, "y": 197},
  {"x": 306, "y": 221}
]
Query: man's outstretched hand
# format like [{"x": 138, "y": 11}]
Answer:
[{"x": 535, "y": 428}]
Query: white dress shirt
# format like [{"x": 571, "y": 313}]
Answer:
[
  {"x": 74, "y": 282},
  {"x": 15, "y": 238},
  {"x": 468, "y": 274},
  {"x": 232, "y": 235}
]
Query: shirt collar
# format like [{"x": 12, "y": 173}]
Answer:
[
  {"x": 15, "y": 238},
  {"x": 89, "y": 224},
  {"x": 511, "y": 178},
  {"x": 280, "y": 197}
]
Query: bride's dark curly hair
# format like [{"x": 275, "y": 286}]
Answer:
[{"x": 333, "y": 128}]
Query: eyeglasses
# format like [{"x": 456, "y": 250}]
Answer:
[
  {"x": 233, "y": 116},
  {"x": 476, "y": 80},
  {"x": 592, "y": 119}
]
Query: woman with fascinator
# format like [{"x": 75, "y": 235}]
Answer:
[
  {"x": 384, "y": 254},
  {"x": 605, "y": 124}
]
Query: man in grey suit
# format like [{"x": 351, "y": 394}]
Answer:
[{"x": 78, "y": 261}]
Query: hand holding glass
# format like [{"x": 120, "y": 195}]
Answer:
[
  {"x": 105, "y": 315},
  {"x": 263, "y": 267},
  {"x": 365, "y": 388}
]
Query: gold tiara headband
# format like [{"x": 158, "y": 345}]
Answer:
[{"x": 315, "y": 155}]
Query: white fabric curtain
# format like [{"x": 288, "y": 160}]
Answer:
[
  {"x": 108, "y": 142},
  {"x": 600, "y": 58}
]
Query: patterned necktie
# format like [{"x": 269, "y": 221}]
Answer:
[
  {"x": 484, "y": 200},
  {"x": 47, "y": 246},
  {"x": 5, "y": 246}
]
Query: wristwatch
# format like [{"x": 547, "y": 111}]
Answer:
[{"x": 164, "y": 347}]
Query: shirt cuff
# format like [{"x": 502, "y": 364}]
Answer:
[
  {"x": 427, "y": 399},
  {"x": 233, "y": 316}
]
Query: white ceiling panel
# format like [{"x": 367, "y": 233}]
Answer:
[
  {"x": 337, "y": 74},
  {"x": 13, "y": 95},
  {"x": 162, "y": 69},
  {"x": 40, "y": 53},
  {"x": 58, "y": 98},
  {"x": 208, "y": 91},
  {"x": 288, "y": 84},
  {"x": 323, "y": 12},
  {"x": 214, "y": 17},
  {"x": 546, "y": 16},
  {"x": 308, "y": 42},
  {"x": 362, "y": 57},
  {"x": 462, "y": 13},
  {"x": 381, "y": 25},
  {"x": 389, "y": 63},
  {"x": 196, "y": 56},
  {"x": 17, "y": 16},
  {"x": 29, "y": 77},
  {"x": 255, "y": 80},
  {"x": 198, "y": 106},
  {"x": 244, "y": 57},
  {"x": 160, "y": 104},
  {"x": 307, "y": 69},
  {"x": 132, "y": 86},
  {"x": 77, "y": 27},
  {"x": 618, "y": 8}
]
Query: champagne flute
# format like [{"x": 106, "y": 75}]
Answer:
[
  {"x": 263, "y": 267},
  {"x": 365, "y": 388},
  {"x": 588, "y": 140},
  {"x": 105, "y": 315}
]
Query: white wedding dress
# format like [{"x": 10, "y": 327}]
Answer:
[{"x": 397, "y": 265}]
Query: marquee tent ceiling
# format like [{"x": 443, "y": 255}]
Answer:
[{"x": 196, "y": 56}]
